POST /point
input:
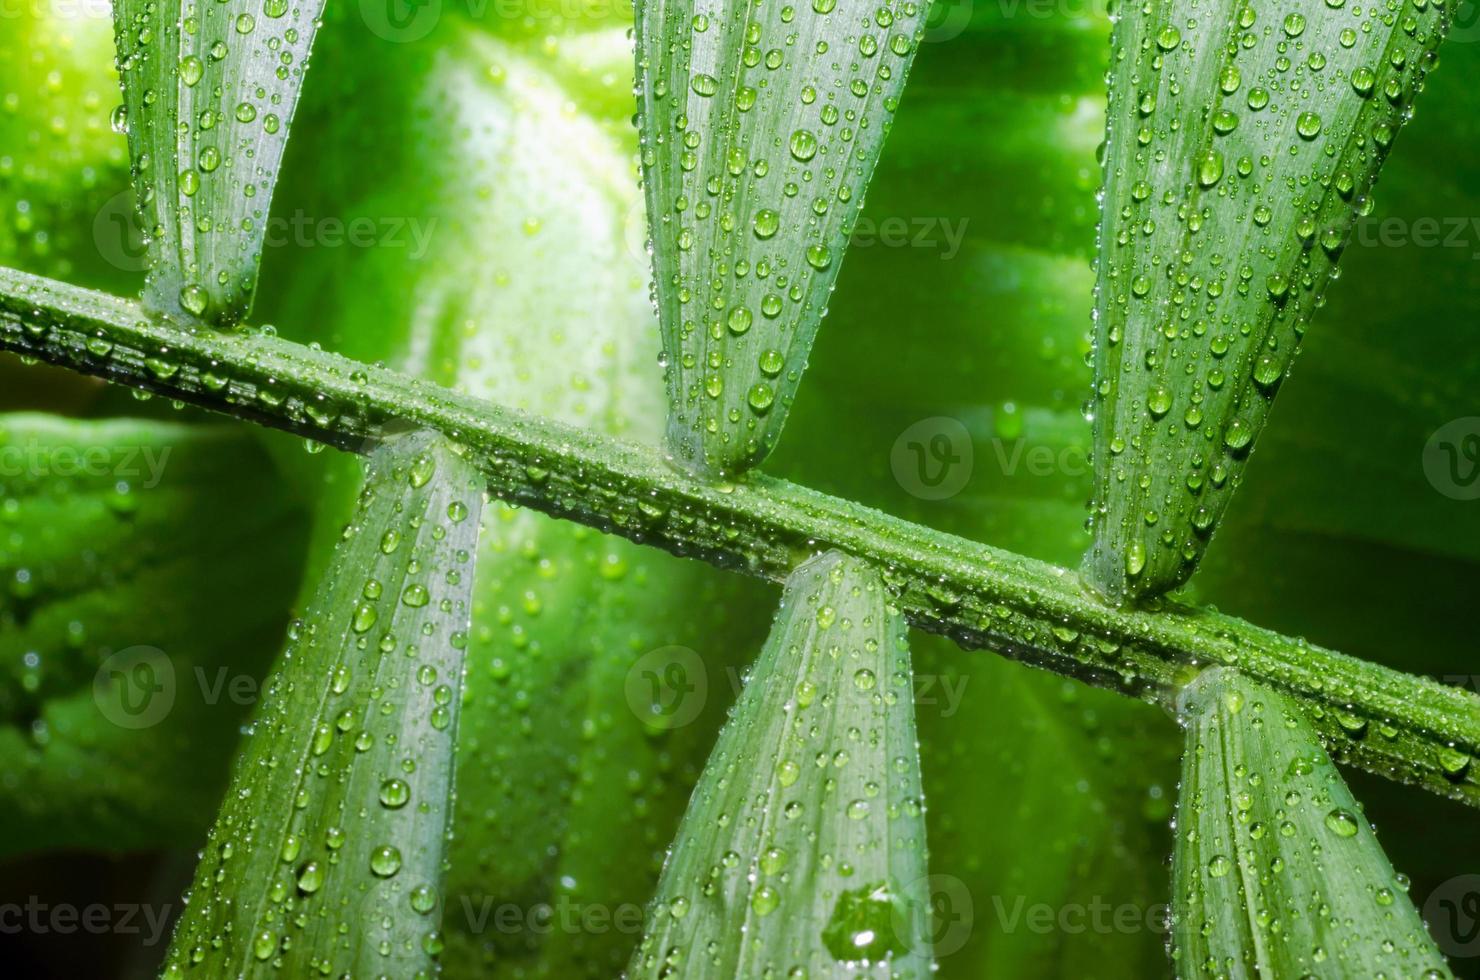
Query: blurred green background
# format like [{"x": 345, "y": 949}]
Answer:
[{"x": 489, "y": 150}]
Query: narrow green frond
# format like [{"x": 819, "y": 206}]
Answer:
[
  {"x": 803, "y": 848},
  {"x": 327, "y": 855},
  {"x": 761, "y": 124},
  {"x": 1243, "y": 143},
  {"x": 208, "y": 95},
  {"x": 1277, "y": 871},
  {"x": 982, "y": 597}
]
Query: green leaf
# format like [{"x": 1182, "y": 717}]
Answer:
[
  {"x": 761, "y": 126},
  {"x": 327, "y": 855},
  {"x": 580, "y": 794},
  {"x": 141, "y": 578},
  {"x": 1243, "y": 145},
  {"x": 1277, "y": 871},
  {"x": 577, "y": 802},
  {"x": 576, "y": 798},
  {"x": 209, "y": 92},
  {"x": 1045, "y": 796},
  {"x": 803, "y": 849}
]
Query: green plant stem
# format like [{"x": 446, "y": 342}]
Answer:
[{"x": 1399, "y": 726}]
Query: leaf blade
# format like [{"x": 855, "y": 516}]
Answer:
[
  {"x": 327, "y": 854},
  {"x": 556, "y": 818},
  {"x": 1277, "y": 873},
  {"x": 815, "y": 787},
  {"x": 209, "y": 95},
  {"x": 1240, "y": 154},
  {"x": 744, "y": 260}
]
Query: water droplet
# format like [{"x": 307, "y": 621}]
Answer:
[
  {"x": 787, "y": 773},
  {"x": 865, "y": 924},
  {"x": 311, "y": 878},
  {"x": 264, "y": 944},
  {"x": 1135, "y": 559},
  {"x": 803, "y": 145},
  {"x": 1210, "y": 169},
  {"x": 191, "y": 70},
  {"x": 364, "y": 618},
  {"x": 765, "y": 900},
  {"x": 423, "y": 899},
  {"x": 194, "y": 300},
  {"x": 394, "y": 793},
  {"x": 422, "y": 468},
  {"x": 1342, "y": 823},
  {"x": 385, "y": 861},
  {"x": 766, "y": 223}
]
